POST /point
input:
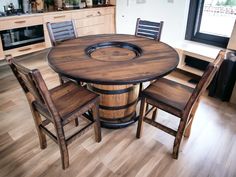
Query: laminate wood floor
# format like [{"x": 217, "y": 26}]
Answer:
[{"x": 210, "y": 150}]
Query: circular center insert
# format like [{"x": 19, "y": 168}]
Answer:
[
  {"x": 113, "y": 51},
  {"x": 113, "y": 54}
]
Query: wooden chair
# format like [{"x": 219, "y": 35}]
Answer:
[
  {"x": 59, "y": 106},
  {"x": 176, "y": 99},
  {"x": 59, "y": 32},
  {"x": 149, "y": 29}
]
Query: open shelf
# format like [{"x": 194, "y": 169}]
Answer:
[
  {"x": 196, "y": 50},
  {"x": 191, "y": 70}
]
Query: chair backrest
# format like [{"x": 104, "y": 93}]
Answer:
[
  {"x": 206, "y": 78},
  {"x": 33, "y": 85},
  {"x": 61, "y": 31},
  {"x": 149, "y": 29},
  {"x": 25, "y": 78}
]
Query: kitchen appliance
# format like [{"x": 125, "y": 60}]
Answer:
[{"x": 20, "y": 37}]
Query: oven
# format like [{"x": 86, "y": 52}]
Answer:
[{"x": 20, "y": 37}]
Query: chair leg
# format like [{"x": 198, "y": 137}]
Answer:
[
  {"x": 61, "y": 80},
  {"x": 76, "y": 122},
  {"x": 178, "y": 138},
  {"x": 64, "y": 154},
  {"x": 140, "y": 88},
  {"x": 37, "y": 122},
  {"x": 154, "y": 114},
  {"x": 191, "y": 117},
  {"x": 41, "y": 135},
  {"x": 147, "y": 107},
  {"x": 62, "y": 145},
  {"x": 187, "y": 131},
  {"x": 141, "y": 117},
  {"x": 97, "y": 126}
]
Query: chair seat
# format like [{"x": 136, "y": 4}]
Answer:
[
  {"x": 166, "y": 93},
  {"x": 70, "y": 97},
  {"x": 176, "y": 99},
  {"x": 60, "y": 105}
]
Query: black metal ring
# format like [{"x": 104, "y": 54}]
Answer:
[
  {"x": 118, "y": 107},
  {"x": 117, "y": 119},
  {"x": 137, "y": 50},
  {"x": 110, "y": 92}
]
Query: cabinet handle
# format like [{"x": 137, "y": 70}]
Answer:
[
  {"x": 22, "y": 50},
  {"x": 23, "y": 21},
  {"x": 99, "y": 13},
  {"x": 62, "y": 16},
  {"x": 89, "y": 15}
]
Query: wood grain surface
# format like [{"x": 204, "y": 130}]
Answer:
[
  {"x": 107, "y": 66},
  {"x": 210, "y": 151},
  {"x": 117, "y": 102}
]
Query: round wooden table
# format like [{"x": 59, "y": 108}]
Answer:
[{"x": 114, "y": 65}]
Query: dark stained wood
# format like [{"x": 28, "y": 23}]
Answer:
[
  {"x": 117, "y": 102},
  {"x": 113, "y": 54},
  {"x": 117, "y": 61},
  {"x": 70, "y": 59},
  {"x": 149, "y": 29},
  {"x": 160, "y": 90},
  {"x": 61, "y": 31},
  {"x": 60, "y": 105},
  {"x": 118, "y": 154},
  {"x": 177, "y": 99},
  {"x": 113, "y": 51},
  {"x": 141, "y": 117}
]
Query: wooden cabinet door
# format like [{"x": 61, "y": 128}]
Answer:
[
  {"x": 110, "y": 23},
  {"x": 25, "y": 50},
  {"x": 95, "y": 21},
  {"x": 96, "y": 25}
]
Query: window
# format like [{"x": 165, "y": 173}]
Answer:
[{"x": 211, "y": 21}]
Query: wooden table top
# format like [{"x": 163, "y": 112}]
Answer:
[{"x": 113, "y": 59}]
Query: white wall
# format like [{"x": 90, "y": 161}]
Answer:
[{"x": 173, "y": 14}]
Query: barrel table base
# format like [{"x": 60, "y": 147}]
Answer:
[
  {"x": 117, "y": 108},
  {"x": 120, "y": 124}
]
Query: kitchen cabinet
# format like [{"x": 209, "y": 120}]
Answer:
[
  {"x": 94, "y": 21},
  {"x": 88, "y": 21},
  {"x": 14, "y": 32},
  {"x": 19, "y": 22}
]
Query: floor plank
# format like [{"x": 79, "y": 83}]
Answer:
[{"x": 210, "y": 150}]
